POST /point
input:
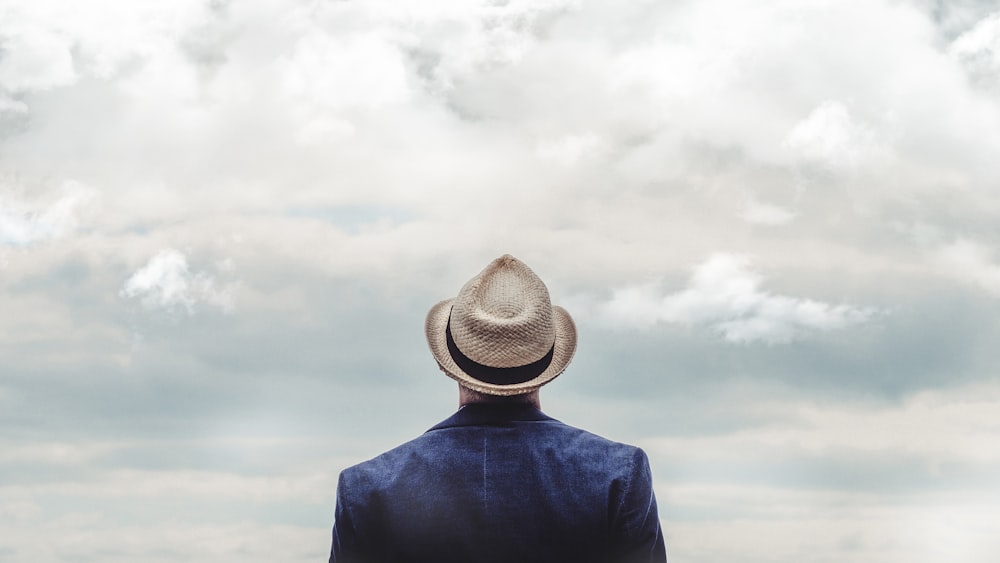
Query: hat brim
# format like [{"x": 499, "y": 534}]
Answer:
[{"x": 436, "y": 327}]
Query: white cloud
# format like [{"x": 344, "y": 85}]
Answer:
[
  {"x": 937, "y": 427},
  {"x": 131, "y": 483},
  {"x": 970, "y": 262},
  {"x": 366, "y": 70},
  {"x": 766, "y": 214},
  {"x": 978, "y": 50},
  {"x": 724, "y": 294},
  {"x": 35, "y": 58},
  {"x": 57, "y": 453},
  {"x": 684, "y": 71},
  {"x": 832, "y": 137},
  {"x": 937, "y": 434},
  {"x": 942, "y": 435},
  {"x": 765, "y": 525},
  {"x": 97, "y": 536},
  {"x": 570, "y": 149},
  {"x": 166, "y": 283},
  {"x": 22, "y": 223},
  {"x": 599, "y": 141},
  {"x": 14, "y": 107},
  {"x": 49, "y": 44},
  {"x": 471, "y": 38}
]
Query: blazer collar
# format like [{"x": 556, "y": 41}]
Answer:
[{"x": 492, "y": 414}]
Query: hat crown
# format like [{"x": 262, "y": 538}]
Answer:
[{"x": 502, "y": 318}]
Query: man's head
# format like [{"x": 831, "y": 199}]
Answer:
[{"x": 501, "y": 336}]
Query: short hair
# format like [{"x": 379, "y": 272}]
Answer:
[{"x": 480, "y": 397}]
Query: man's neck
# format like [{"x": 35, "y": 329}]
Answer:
[{"x": 469, "y": 397}]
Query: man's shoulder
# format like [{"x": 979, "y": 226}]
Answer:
[
  {"x": 595, "y": 439},
  {"x": 386, "y": 459},
  {"x": 588, "y": 447}
]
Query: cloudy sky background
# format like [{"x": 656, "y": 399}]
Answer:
[{"x": 777, "y": 224}]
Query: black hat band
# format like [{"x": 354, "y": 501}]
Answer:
[{"x": 497, "y": 376}]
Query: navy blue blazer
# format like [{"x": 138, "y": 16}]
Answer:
[{"x": 499, "y": 483}]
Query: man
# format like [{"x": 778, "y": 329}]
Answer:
[{"x": 499, "y": 481}]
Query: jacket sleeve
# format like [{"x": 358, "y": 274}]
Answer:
[
  {"x": 344, "y": 539},
  {"x": 636, "y": 532}
]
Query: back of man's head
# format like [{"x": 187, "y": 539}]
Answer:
[{"x": 501, "y": 336}]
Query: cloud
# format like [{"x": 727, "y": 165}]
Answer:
[
  {"x": 11, "y": 110},
  {"x": 48, "y": 44},
  {"x": 831, "y": 137},
  {"x": 166, "y": 283},
  {"x": 897, "y": 482},
  {"x": 365, "y": 71},
  {"x": 97, "y": 536},
  {"x": 22, "y": 224},
  {"x": 826, "y": 526},
  {"x": 972, "y": 263},
  {"x": 935, "y": 427},
  {"x": 57, "y": 453},
  {"x": 133, "y": 483},
  {"x": 766, "y": 214},
  {"x": 35, "y": 58},
  {"x": 978, "y": 50},
  {"x": 373, "y": 155},
  {"x": 570, "y": 149},
  {"x": 724, "y": 295}
]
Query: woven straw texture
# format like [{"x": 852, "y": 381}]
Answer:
[{"x": 502, "y": 318}]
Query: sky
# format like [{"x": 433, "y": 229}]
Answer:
[{"x": 775, "y": 222}]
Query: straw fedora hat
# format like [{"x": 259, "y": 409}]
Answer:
[{"x": 501, "y": 335}]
